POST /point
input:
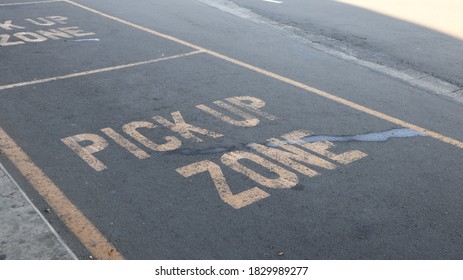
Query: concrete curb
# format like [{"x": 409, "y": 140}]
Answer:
[
  {"x": 342, "y": 51},
  {"x": 25, "y": 234}
]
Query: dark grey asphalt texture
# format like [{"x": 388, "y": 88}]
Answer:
[
  {"x": 402, "y": 201},
  {"x": 374, "y": 36}
]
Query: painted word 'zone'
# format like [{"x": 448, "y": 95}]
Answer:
[
  {"x": 293, "y": 153},
  {"x": 59, "y": 31}
]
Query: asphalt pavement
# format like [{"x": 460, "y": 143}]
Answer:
[
  {"x": 178, "y": 130},
  {"x": 421, "y": 35}
]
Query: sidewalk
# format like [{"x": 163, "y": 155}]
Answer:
[{"x": 24, "y": 232}]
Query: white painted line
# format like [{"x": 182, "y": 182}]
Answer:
[
  {"x": 27, "y": 3},
  {"x": 273, "y": 1},
  {"x": 101, "y": 70}
]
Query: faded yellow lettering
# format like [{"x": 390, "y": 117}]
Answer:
[
  {"x": 41, "y": 21},
  {"x": 184, "y": 129},
  {"x": 254, "y": 105},
  {"x": 30, "y": 37},
  {"x": 292, "y": 156},
  {"x": 58, "y": 19},
  {"x": 86, "y": 153},
  {"x": 249, "y": 120},
  {"x": 75, "y": 31},
  {"x": 237, "y": 201},
  {"x": 4, "y": 41},
  {"x": 323, "y": 146},
  {"x": 54, "y": 34},
  {"x": 173, "y": 143},
  {"x": 8, "y": 25},
  {"x": 286, "y": 179},
  {"x": 123, "y": 142}
]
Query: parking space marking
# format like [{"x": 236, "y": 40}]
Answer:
[
  {"x": 292, "y": 150},
  {"x": 71, "y": 216},
  {"x": 286, "y": 80},
  {"x": 59, "y": 31},
  {"x": 96, "y": 71},
  {"x": 85, "y": 145},
  {"x": 93, "y": 239},
  {"x": 294, "y": 158},
  {"x": 28, "y": 3}
]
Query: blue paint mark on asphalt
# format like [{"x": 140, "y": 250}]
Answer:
[{"x": 369, "y": 137}]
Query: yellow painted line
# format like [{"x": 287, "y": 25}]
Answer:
[
  {"x": 75, "y": 220},
  {"x": 96, "y": 71},
  {"x": 327, "y": 95},
  {"x": 72, "y": 217},
  {"x": 27, "y": 3}
]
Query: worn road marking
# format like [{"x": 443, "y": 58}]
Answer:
[
  {"x": 291, "y": 158},
  {"x": 237, "y": 201},
  {"x": 27, "y": 3},
  {"x": 289, "y": 81},
  {"x": 72, "y": 217},
  {"x": 125, "y": 143},
  {"x": 101, "y": 70},
  {"x": 249, "y": 120},
  {"x": 38, "y": 36},
  {"x": 286, "y": 179},
  {"x": 86, "y": 153},
  {"x": 185, "y": 129},
  {"x": 88, "y": 234},
  {"x": 321, "y": 147},
  {"x": 287, "y": 154},
  {"x": 172, "y": 142},
  {"x": 93, "y": 143},
  {"x": 254, "y": 105}
]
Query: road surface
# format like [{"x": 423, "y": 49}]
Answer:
[{"x": 179, "y": 130}]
